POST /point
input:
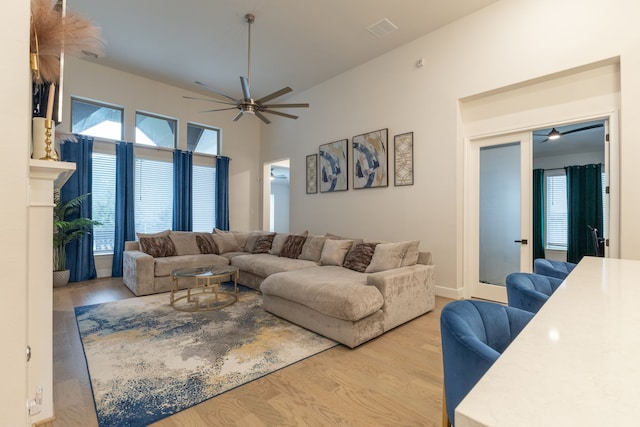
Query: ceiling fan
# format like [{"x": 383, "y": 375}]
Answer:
[
  {"x": 248, "y": 105},
  {"x": 555, "y": 134}
]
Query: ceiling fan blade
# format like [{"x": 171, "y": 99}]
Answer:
[
  {"x": 582, "y": 128},
  {"x": 286, "y": 106},
  {"x": 219, "y": 109},
  {"x": 245, "y": 87},
  {"x": 278, "y": 113},
  {"x": 216, "y": 92},
  {"x": 209, "y": 100},
  {"x": 274, "y": 95},
  {"x": 262, "y": 117},
  {"x": 240, "y": 114}
]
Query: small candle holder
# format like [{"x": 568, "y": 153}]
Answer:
[{"x": 50, "y": 154}]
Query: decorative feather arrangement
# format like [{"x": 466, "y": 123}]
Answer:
[{"x": 54, "y": 33}]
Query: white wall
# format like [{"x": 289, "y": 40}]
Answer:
[
  {"x": 240, "y": 140},
  {"x": 500, "y": 46},
  {"x": 280, "y": 192},
  {"x": 14, "y": 151}
]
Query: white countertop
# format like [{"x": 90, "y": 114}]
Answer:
[{"x": 577, "y": 363}]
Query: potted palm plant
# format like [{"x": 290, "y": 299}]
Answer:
[{"x": 67, "y": 230}]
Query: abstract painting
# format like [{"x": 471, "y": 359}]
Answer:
[
  {"x": 370, "y": 160},
  {"x": 312, "y": 173},
  {"x": 333, "y": 166},
  {"x": 403, "y": 159}
]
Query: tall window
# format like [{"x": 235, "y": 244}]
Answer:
[
  {"x": 156, "y": 131},
  {"x": 103, "y": 202},
  {"x": 96, "y": 119},
  {"x": 154, "y": 195},
  {"x": 556, "y": 210},
  {"x": 202, "y": 139}
]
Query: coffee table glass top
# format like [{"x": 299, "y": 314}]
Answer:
[{"x": 209, "y": 270}]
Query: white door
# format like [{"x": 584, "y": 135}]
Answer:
[{"x": 498, "y": 210}]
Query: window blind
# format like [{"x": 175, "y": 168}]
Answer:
[
  {"x": 154, "y": 195},
  {"x": 203, "y": 198},
  {"x": 556, "y": 211},
  {"x": 103, "y": 201}
]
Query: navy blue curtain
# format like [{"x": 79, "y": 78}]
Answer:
[
  {"x": 222, "y": 193},
  {"x": 584, "y": 209},
  {"x": 182, "y": 179},
  {"x": 538, "y": 213},
  {"x": 79, "y": 253},
  {"x": 125, "y": 228}
]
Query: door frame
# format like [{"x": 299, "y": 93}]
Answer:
[
  {"x": 471, "y": 244},
  {"x": 612, "y": 168}
]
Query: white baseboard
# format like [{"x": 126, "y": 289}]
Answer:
[{"x": 449, "y": 292}]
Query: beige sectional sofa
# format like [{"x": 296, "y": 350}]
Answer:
[{"x": 345, "y": 289}]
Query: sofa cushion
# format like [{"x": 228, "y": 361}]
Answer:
[
  {"x": 359, "y": 257},
  {"x": 184, "y": 242},
  {"x": 206, "y": 244},
  {"x": 331, "y": 290},
  {"x": 158, "y": 234},
  {"x": 157, "y": 246},
  {"x": 164, "y": 266},
  {"x": 411, "y": 256},
  {"x": 252, "y": 239},
  {"x": 292, "y": 246},
  {"x": 334, "y": 251},
  {"x": 387, "y": 256},
  {"x": 226, "y": 242},
  {"x": 264, "y": 265},
  {"x": 312, "y": 248},
  {"x": 263, "y": 244},
  {"x": 278, "y": 243},
  {"x": 240, "y": 236}
]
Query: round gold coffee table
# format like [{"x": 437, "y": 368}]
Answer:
[{"x": 204, "y": 293}]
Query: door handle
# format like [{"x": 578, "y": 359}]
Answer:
[{"x": 523, "y": 241}]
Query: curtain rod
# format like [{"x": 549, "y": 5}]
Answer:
[{"x": 144, "y": 147}]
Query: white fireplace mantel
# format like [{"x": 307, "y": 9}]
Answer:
[{"x": 44, "y": 178}]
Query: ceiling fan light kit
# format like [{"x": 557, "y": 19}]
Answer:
[
  {"x": 247, "y": 105},
  {"x": 554, "y": 134}
]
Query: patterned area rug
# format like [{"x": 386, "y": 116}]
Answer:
[{"x": 148, "y": 361}]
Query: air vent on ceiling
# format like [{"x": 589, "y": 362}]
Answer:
[{"x": 382, "y": 28}]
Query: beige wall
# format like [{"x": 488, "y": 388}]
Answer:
[
  {"x": 240, "y": 140},
  {"x": 503, "y": 45},
  {"x": 14, "y": 152}
]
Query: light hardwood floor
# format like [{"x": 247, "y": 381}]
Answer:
[{"x": 393, "y": 380}]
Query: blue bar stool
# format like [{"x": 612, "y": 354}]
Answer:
[
  {"x": 528, "y": 291},
  {"x": 474, "y": 334}
]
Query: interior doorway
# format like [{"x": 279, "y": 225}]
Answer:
[
  {"x": 276, "y": 196},
  {"x": 570, "y": 164}
]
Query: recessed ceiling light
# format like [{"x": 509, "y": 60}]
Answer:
[{"x": 382, "y": 28}]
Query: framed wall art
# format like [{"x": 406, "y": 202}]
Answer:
[
  {"x": 333, "y": 161},
  {"x": 403, "y": 159},
  {"x": 312, "y": 174},
  {"x": 370, "y": 160}
]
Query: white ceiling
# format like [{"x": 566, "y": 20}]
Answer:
[{"x": 296, "y": 43}]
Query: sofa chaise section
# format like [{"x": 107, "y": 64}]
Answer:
[{"x": 348, "y": 306}]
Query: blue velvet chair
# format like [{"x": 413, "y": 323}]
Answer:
[
  {"x": 474, "y": 334},
  {"x": 553, "y": 268},
  {"x": 528, "y": 291}
]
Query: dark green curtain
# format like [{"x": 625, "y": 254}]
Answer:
[
  {"x": 584, "y": 208},
  {"x": 538, "y": 213}
]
